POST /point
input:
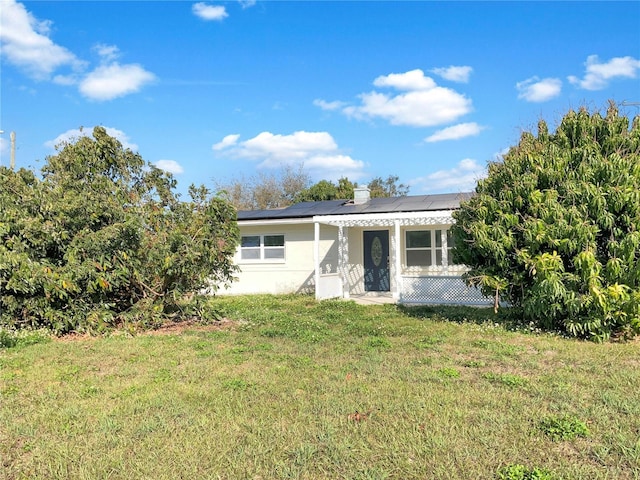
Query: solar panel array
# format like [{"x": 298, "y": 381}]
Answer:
[{"x": 412, "y": 203}]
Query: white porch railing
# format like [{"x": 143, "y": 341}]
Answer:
[
  {"x": 439, "y": 290},
  {"x": 329, "y": 286}
]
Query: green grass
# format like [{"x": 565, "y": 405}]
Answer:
[{"x": 296, "y": 389}]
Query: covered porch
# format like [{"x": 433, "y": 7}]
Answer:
[{"x": 373, "y": 263}]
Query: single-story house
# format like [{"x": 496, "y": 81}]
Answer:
[{"x": 397, "y": 247}]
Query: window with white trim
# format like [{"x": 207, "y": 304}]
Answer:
[
  {"x": 428, "y": 248},
  {"x": 262, "y": 248}
]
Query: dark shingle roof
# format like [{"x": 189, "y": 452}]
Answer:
[{"x": 413, "y": 203}]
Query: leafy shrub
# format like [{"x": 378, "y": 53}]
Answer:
[
  {"x": 101, "y": 239},
  {"x": 553, "y": 229}
]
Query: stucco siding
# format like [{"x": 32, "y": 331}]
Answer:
[{"x": 295, "y": 274}]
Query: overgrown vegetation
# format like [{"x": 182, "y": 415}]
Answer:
[
  {"x": 101, "y": 239},
  {"x": 555, "y": 228},
  {"x": 287, "y": 387},
  {"x": 10, "y": 338}
]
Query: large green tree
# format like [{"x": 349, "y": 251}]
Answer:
[
  {"x": 327, "y": 190},
  {"x": 554, "y": 229},
  {"x": 101, "y": 238}
]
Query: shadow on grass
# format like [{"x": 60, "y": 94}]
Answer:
[
  {"x": 452, "y": 313},
  {"x": 507, "y": 317}
]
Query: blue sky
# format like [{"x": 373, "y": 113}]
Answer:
[{"x": 216, "y": 91}]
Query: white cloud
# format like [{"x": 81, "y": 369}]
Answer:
[
  {"x": 316, "y": 151},
  {"x": 275, "y": 149},
  {"x": 462, "y": 178},
  {"x": 453, "y": 73},
  {"x": 209, "y": 12},
  {"x": 417, "y": 109},
  {"x": 412, "y": 80},
  {"x": 455, "y": 132},
  {"x": 107, "y": 82},
  {"x": 333, "y": 167},
  {"x": 170, "y": 166},
  {"x": 25, "y": 43},
  {"x": 72, "y": 136},
  {"x": 108, "y": 53},
  {"x": 226, "y": 142},
  {"x": 247, "y": 3},
  {"x": 424, "y": 104},
  {"x": 598, "y": 75},
  {"x": 66, "y": 80},
  {"x": 535, "y": 90},
  {"x": 324, "y": 105}
]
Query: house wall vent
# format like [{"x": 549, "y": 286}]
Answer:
[{"x": 361, "y": 195}]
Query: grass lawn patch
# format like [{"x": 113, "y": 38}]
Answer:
[{"x": 287, "y": 387}]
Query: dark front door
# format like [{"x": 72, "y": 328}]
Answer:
[{"x": 376, "y": 261}]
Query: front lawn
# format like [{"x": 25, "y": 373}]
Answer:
[{"x": 287, "y": 387}]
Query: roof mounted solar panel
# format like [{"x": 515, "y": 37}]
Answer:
[{"x": 413, "y": 203}]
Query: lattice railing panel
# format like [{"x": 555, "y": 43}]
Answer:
[{"x": 440, "y": 290}]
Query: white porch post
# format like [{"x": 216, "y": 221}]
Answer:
[
  {"x": 343, "y": 259},
  {"x": 316, "y": 256},
  {"x": 397, "y": 260}
]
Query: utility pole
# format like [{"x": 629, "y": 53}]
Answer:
[{"x": 13, "y": 151}]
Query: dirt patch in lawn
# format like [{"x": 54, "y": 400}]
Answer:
[
  {"x": 193, "y": 324},
  {"x": 169, "y": 328}
]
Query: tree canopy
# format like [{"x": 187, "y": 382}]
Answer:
[
  {"x": 102, "y": 239},
  {"x": 289, "y": 186},
  {"x": 265, "y": 190},
  {"x": 555, "y": 227},
  {"x": 327, "y": 190},
  {"x": 388, "y": 187}
]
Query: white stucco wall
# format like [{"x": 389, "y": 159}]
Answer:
[{"x": 296, "y": 273}]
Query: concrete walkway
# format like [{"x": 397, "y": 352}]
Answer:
[{"x": 372, "y": 299}]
